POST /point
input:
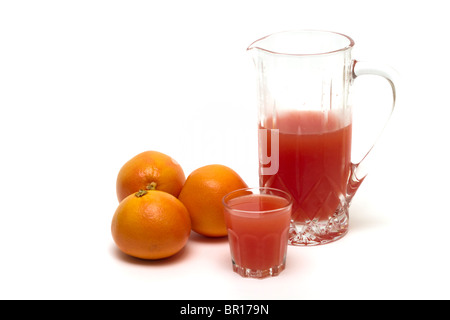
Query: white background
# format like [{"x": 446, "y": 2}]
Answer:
[{"x": 86, "y": 85}]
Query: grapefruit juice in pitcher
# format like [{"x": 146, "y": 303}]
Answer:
[{"x": 319, "y": 152}]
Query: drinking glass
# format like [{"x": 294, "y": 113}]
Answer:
[{"x": 258, "y": 221}]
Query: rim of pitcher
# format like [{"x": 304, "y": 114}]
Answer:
[{"x": 350, "y": 44}]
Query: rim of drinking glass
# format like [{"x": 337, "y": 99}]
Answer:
[
  {"x": 350, "y": 44},
  {"x": 288, "y": 197}
]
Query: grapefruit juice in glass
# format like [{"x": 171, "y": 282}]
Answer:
[
  {"x": 305, "y": 127},
  {"x": 258, "y": 223}
]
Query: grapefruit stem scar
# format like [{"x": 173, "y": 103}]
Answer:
[
  {"x": 140, "y": 193},
  {"x": 151, "y": 186}
]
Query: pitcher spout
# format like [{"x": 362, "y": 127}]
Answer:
[
  {"x": 254, "y": 51},
  {"x": 255, "y": 45},
  {"x": 263, "y": 45}
]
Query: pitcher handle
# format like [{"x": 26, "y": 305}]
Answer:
[{"x": 359, "y": 170}]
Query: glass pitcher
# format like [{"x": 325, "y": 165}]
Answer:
[{"x": 305, "y": 127}]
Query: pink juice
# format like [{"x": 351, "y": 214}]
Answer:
[
  {"x": 258, "y": 229},
  {"x": 314, "y": 162}
]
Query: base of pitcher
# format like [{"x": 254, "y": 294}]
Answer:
[
  {"x": 317, "y": 232},
  {"x": 310, "y": 239}
]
